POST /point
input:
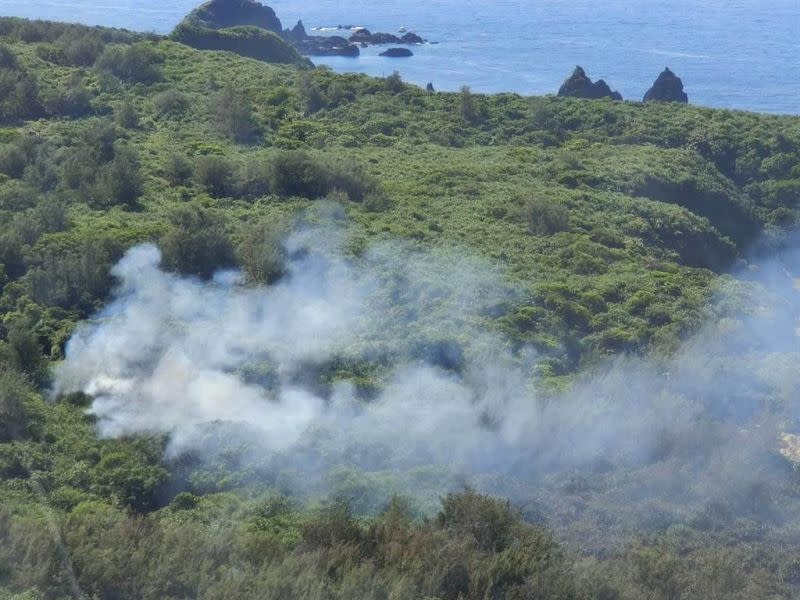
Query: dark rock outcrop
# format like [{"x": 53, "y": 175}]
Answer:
[
  {"x": 430, "y": 88},
  {"x": 412, "y": 38},
  {"x": 333, "y": 45},
  {"x": 365, "y": 36},
  {"x": 296, "y": 33},
  {"x": 220, "y": 14},
  {"x": 667, "y": 88},
  {"x": 397, "y": 53},
  {"x": 578, "y": 85}
]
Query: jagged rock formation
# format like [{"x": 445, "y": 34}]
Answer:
[
  {"x": 334, "y": 45},
  {"x": 667, "y": 88},
  {"x": 397, "y": 53},
  {"x": 220, "y": 14},
  {"x": 365, "y": 36},
  {"x": 578, "y": 85},
  {"x": 430, "y": 88},
  {"x": 296, "y": 33},
  {"x": 317, "y": 45}
]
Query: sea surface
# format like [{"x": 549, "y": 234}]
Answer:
[{"x": 742, "y": 54}]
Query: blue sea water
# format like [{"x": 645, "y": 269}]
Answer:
[{"x": 740, "y": 54}]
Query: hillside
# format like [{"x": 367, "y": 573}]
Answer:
[{"x": 609, "y": 229}]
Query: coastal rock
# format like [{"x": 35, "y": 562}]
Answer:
[
  {"x": 221, "y": 14},
  {"x": 412, "y": 38},
  {"x": 578, "y": 85},
  {"x": 430, "y": 88},
  {"x": 397, "y": 53},
  {"x": 296, "y": 33},
  {"x": 667, "y": 88},
  {"x": 365, "y": 36},
  {"x": 327, "y": 46}
]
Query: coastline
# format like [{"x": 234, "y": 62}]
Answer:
[{"x": 491, "y": 65}]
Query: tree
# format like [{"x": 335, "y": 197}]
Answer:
[
  {"x": 233, "y": 114},
  {"x": 296, "y": 173},
  {"x": 122, "y": 182},
  {"x": 14, "y": 389},
  {"x": 171, "y": 102},
  {"x": 262, "y": 254},
  {"x": 23, "y": 353},
  {"x": 136, "y": 63},
  {"x": 489, "y": 521},
  {"x": 215, "y": 174},
  {"x": 545, "y": 217},
  {"x": 467, "y": 108},
  {"x": 126, "y": 115},
  {"x": 196, "y": 243},
  {"x": 310, "y": 94},
  {"x": 394, "y": 83}
]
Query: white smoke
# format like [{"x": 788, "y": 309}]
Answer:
[{"x": 176, "y": 355}]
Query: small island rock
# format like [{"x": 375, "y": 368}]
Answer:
[
  {"x": 667, "y": 88},
  {"x": 578, "y": 85},
  {"x": 296, "y": 33},
  {"x": 397, "y": 53}
]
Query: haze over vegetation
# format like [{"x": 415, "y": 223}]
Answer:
[{"x": 269, "y": 331}]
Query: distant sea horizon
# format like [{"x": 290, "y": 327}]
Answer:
[{"x": 734, "y": 54}]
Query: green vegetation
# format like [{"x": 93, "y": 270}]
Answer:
[
  {"x": 614, "y": 221},
  {"x": 252, "y": 42}
]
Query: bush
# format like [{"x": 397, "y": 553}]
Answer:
[
  {"x": 466, "y": 105},
  {"x": 72, "y": 100},
  {"x": 545, "y": 217},
  {"x": 80, "y": 48},
  {"x": 8, "y": 59},
  {"x": 253, "y": 179},
  {"x": 19, "y": 96},
  {"x": 14, "y": 389},
  {"x": 296, "y": 173},
  {"x": 74, "y": 279},
  {"x": 137, "y": 63},
  {"x": 196, "y": 243},
  {"x": 215, "y": 175},
  {"x": 310, "y": 94},
  {"x": 126, "y": 115},
  {"x": 178, "y": 170},
  {"x": 490, "y": 522},
  {"x": 12, "y": 161},
  {"x": 262, "y": 254},
  {"x": 347, "y": 176},
  {"x": 171, "y": 103},
  {"x": 394, "y": 83},
  {"x": 332, "y": 526},
  {"x": 23, "y": 353},
  {"x": 121, "y": 182},
  {"x": 233, "y": 115}
]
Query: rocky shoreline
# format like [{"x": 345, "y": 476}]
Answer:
[
  {"x": 217, "y": 20},
  {"x": 253, "y": 29},
  {"x": 361, "y": 37}
]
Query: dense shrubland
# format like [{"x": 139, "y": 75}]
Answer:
[{"x": 614, "y": 220}]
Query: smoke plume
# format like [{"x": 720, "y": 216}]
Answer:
[{"x": 385, "y": 364}]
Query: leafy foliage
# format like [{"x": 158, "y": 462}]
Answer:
[{"x": 615, "y": 223}]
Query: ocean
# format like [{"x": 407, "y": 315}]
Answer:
[{"x": 741, "y": 54}]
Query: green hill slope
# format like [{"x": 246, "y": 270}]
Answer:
[{"x": 615, "y": 224}]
